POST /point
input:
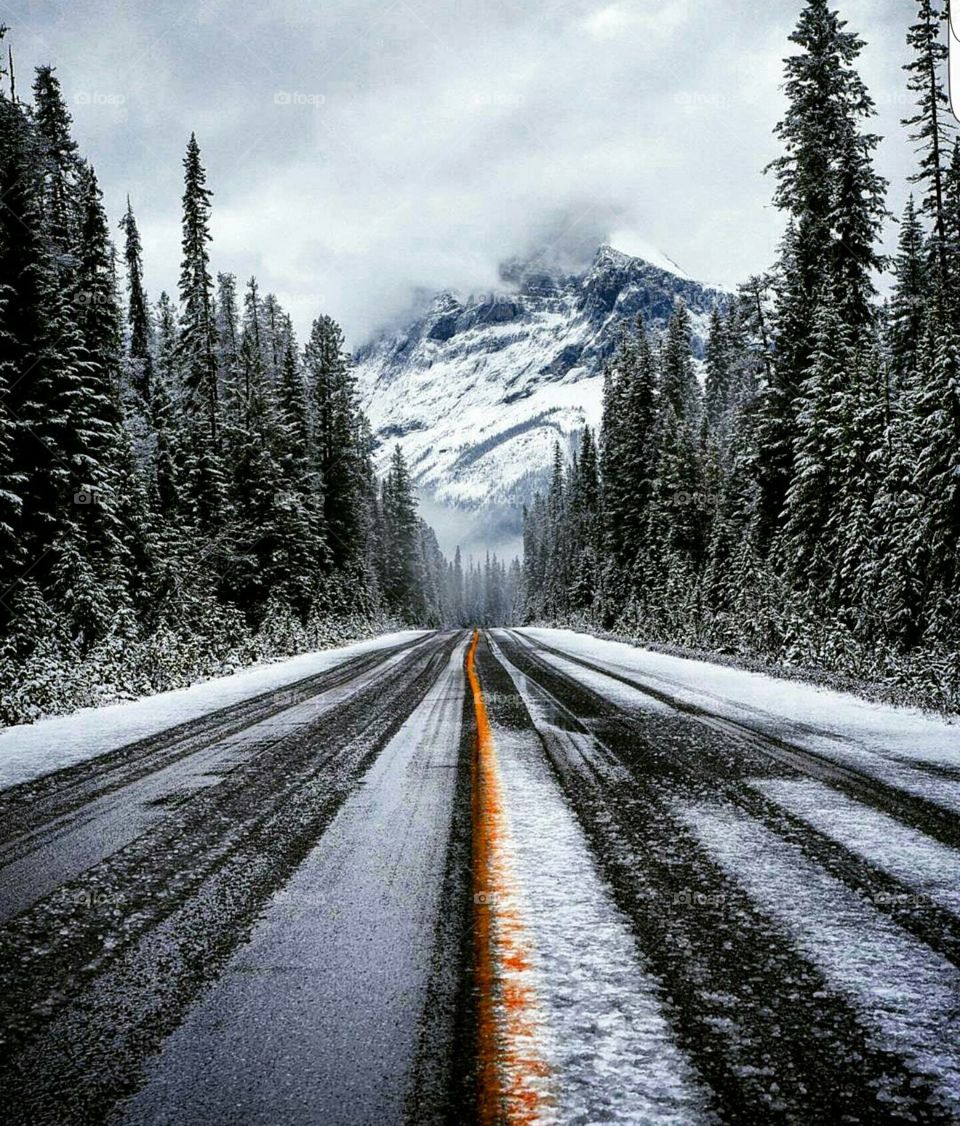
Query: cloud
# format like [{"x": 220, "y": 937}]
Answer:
[{"x": 358, "y": 150}]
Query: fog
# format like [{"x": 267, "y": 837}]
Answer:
[{"x": 358, "y": 151}]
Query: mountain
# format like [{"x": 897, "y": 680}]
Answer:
[{"x": 478, "y": 389}]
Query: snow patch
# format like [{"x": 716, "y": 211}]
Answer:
[
  {"x": 30, "y": 750},
  {"x": 903, "y": 747},
  {"x": 905, "y": 994}
]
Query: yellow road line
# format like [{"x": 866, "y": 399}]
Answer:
[{"x": 512, "y": 1072}]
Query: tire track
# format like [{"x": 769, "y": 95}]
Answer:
[
  {"x": 917, "y": 913},
  {"x": 759, "y": 1022},
  {"x": 912, "y": 810},
  {"x": 32, "y": 806},
  {"x": 90, "y": 988}
]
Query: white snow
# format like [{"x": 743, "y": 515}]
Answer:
[
  {"x": 905, "y": 994},
  {"x": 611, "y": 1051},
  {"x": 890, "y": 743},
  {"x": 477, "y": 414},
  {"x": 458, "y": 388},
  {"x": 925, "y": 865},
  {"x": 631, "y": 245},
  {"x": 30, "y": 750}
]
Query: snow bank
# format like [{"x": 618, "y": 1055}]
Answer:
[
  {"x": 820, "y": 719},
  {"x": 30, "y": 750}
]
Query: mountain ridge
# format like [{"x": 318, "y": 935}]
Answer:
[{"x": 478, "y": 388}]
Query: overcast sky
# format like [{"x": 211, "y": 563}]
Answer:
[{"x": 357, "y": 148}]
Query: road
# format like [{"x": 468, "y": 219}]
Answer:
[{"x": 481, "y": 878}]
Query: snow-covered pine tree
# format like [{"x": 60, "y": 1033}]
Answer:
[
  {"x": 300, "y": 525},
  {"x": 937, "y": 483},
  {"x": 204, "y": 474},
  {"x": 911, "y": 292},
  {"x": 60, "y": 167},
  {"x": 931, "y": 127},
  {"x": 337, "y": 457},
  {"x": 828, "y": 186},
  {"x": 139, "y": 326},
  {"x": 402, "y": 577},
  {"x": 718, "y": 360}
]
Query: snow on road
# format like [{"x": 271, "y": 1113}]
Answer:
[
  {"x": 907, "y": 995},
  {"x": 611, "y": 1051},
  {"x": 908, "y": 855},
  {"x": 116, "y": 818},
  {"x": 30, "y": 750},
  {"x": 903, "y": 747},
  {"x": 316, "y": 1018}
]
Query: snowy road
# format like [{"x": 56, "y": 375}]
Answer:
[{"x": 525, "y": 877}]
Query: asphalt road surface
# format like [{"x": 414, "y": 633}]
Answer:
[{"x": 476, "y": 878}]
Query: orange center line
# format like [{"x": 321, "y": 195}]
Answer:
[{"x": 511, "y": 1068}]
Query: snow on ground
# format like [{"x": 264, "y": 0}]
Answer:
[
  {"x": 905, "y": 993},
  {"x": 906, "y": 854},
  {"x": 611, "y": 1051},
  {"x": 30, "y": 750},
  {"x": 904, "y": 747}
]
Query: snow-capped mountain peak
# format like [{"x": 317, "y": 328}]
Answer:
[{"x": 477, "y": 389}]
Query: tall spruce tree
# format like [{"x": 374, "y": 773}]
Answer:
[
  {"x": 204, "y": 470},
  {"x": 335, "y": 440},
  {"x": 930, "y": 127},
  {"x": 909, "y": 301},
  {"x": 828, "y": 186}
]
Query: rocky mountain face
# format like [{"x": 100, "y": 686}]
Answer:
[{"x": 478, "y": 389}]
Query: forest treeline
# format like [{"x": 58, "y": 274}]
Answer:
[
  {"x": 183, "y": 487},
  {"x": 801, "y": 501}
]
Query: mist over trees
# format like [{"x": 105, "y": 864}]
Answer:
[{"x": 800, "y": 501}]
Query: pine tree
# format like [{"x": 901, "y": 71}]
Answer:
[
  {"x": 951, "y": 219},
  {"x": 20, "y": 266},
  {"x": 937, "y": 483},
  {"x": 717, "y": 362},
  {"x": 138, "y": 316},
  {"x": 45, "y": 440},
  {"x": 204, "y": 470},
  {"x": 402, "y": 584},
  {"x": 908, "y": 305},
  {"x": 337, "y": 457},
  {"x": 167, "y": 398},
  {"x": 678, "y": 381},
  {"x": 61, "y": 167},
  {"x": 628, "y": 447},
  {"x": 930, "y": 126},
  {"x": 301, "y": 530},
  {"x": 827, "y": 184},
  {"x": 98, "y": 422},
  {"x": 825, "y": 179},
  {"x": 809, "y": 535}
]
